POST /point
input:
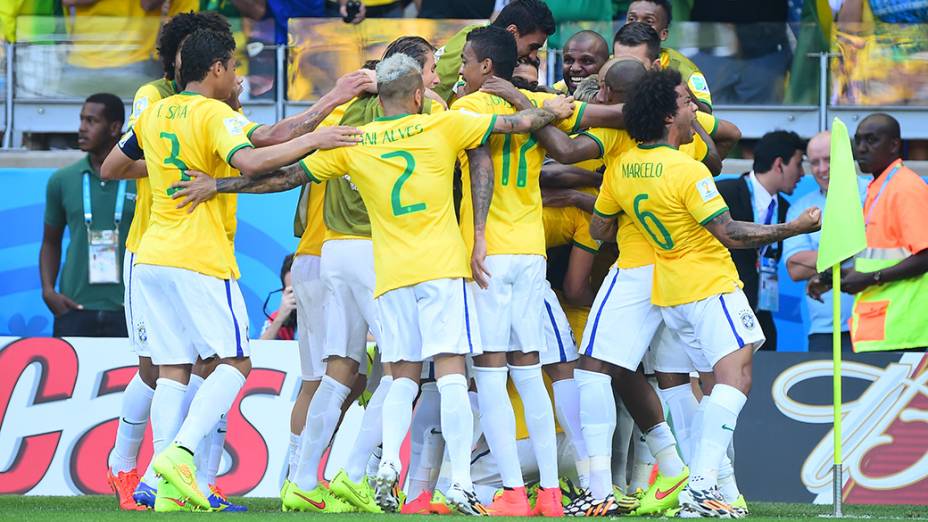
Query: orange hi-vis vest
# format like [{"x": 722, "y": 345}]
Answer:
[{"x": 893, "y": 315}]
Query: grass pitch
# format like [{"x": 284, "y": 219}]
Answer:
[{"x": 103, "y": 508}]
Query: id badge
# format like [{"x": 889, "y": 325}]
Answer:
[
  {"x": 103, "y": 251},
  {"x": 768, "y": 296}
]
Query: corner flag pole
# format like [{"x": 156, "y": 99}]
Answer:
[{"x": 837, "y": 478}]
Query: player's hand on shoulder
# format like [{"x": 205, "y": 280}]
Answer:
[
  {"x": 355, "y": 83},
  {"x": 561, "y": 106},
  {"x": 504, "y": 89},
  {"x": 334, "y": 137},
  {"x": 199, "y": 188},
  {"x": 810, "y": 220}
]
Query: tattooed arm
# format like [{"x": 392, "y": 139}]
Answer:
[
  {"x": 202, "y": 187},
  {"x": 604, "y": 229},
  {"x": 741, "y": 234},
  {"x": 523, "y": 122},
  {"x": 481, "y": 185}
]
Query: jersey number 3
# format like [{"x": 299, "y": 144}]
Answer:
[
  {"x": 398, "y": 208},
  {"x": 173, "y": 161}
]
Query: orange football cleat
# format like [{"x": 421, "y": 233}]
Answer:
[
  {"x": 511, "y": 503},
  {"x": 124, "y": 484},
  {"x": 418, "y": 506},
  {"x": 548, "y": 503}
]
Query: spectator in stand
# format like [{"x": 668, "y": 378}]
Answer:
[
  {"x": 39, "y": 62},
  {"x": 801, "y": 252},
  {"x": 755, "y": 197},
  {"x": 658, "y": 14},
  {"x": 281, "y": 325},
  {"x": 369, "y": 9},
  {"x": 88, "y": 301},
  {"x": 283, "y": 10},
  {"x": 469, "y": 10},
  {"x": 752, "y": 70},
  {"x": 113, "y": 44}
]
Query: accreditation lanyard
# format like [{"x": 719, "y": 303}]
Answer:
[
  {"x": 769, "y": 217},
  {"x": 120, "y": 202},
  {"x": 880, "y": 192},
  {"x": 768, "y": 293}
]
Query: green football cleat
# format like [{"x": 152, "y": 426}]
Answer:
[
  {"x": 283, "y": 494},
  {"x": 169, "y": 500},
  {"x": 740, "y": 507},
  {"x": 358, "y": 494},
  {"x": 317, "y": 500},
  {"x": 176, "y": 466},
  {"x": 663, "y": 494}
]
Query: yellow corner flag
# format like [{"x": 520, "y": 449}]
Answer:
[{"x": 843, "y": 233}]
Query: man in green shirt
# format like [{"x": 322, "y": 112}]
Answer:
[
  {"x": 529, "y": 21},
  {"x": 658, "y": 14},
  {"x": 97, "y": 213}
]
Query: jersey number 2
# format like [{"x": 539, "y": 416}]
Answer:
[
  {"x": 172, "y": 160},
  {"x": 646, "y": 216},
  {"x": 398, "y": 208}
]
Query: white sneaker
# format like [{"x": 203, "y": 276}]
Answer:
[
  {"x": 464, "y": 501},
  {"x": 385, "y": 491}
]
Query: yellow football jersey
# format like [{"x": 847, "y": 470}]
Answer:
[
  {"x": 670, "y": 196},
  {"x": 181, "y": 132},
  {"x": 634, "y": 249},
  {"x": 144, "y": 96},
  {"x": 514, "y": 224},
  {"x": 311, "y": 241},
  {"x": 404, "y": 170},
  {"x": 568, "y": 226}
]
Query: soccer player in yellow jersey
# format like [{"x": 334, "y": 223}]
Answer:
[
  {"x": 404, "y": 171},
  {"x": 185, "y": 267},
  {"x": 674, "y": 203},
  {"x": 512, "y": 308}
]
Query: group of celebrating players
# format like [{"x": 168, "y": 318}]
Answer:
[{"x": 433, "y": 189}]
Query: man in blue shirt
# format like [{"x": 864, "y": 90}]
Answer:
[{"x": 801, "y": 252}]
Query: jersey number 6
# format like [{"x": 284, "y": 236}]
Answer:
[{"x": 644, "y": 216}]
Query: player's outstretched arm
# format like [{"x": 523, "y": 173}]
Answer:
[
  {"x": 481, "y": 185},
  {"x": 346, "y": 88},
  {"x": 556, "y": 175},
  {"x": 202, "y": 187},
  {"x": 565, "y": 197},
  {"x": 726, "y": 136},
  {"x": 608, "y": 116},
  {"x": 741, "y": 234},
  {"x": 523, "y": 122},
  {"x": 712, "y": 161},
  {"x": 252, "y": 162},
  {"x": 577, "y": 288},
  {"x": 564, "y": 149},
  {"x": 603, "y": 228},
  {"x": 118, "y": 165}
]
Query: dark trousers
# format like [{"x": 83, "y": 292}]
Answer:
[
  {"x": 91, "y": 323},
  {"x": 765, "y": 320},
  {"x": 821, "y": 342}
]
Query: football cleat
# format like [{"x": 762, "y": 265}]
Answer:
[
  {"x": 464, "y": 501},
  {"x": 696, "y": 503},
  {"x": 587, "y": 506},
  {"x": 548, "y": 503},
  {"x": 510, "y": 502},
  {"x": 175, "y": 465},
  {"x": 316, "y": 500},
  {"x": 123, "y": 485},
  {"x": 438, "y": 505},
  {"x": 386, "y": 492},
  {"x": 569, "y": 491},
  {"x": 169, "y": 499},
  {"x": 358, "y": 494},
  {"x": 144, "y": 495},
  {"x": 740, "y": 507},
  {"x": 421, "y": 505},
  {"x": 218, "y": 501},
  {"x": 283, "y": 493},
  {"x": 663, "y": 494}
]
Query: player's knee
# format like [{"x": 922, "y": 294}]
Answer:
[
  {"x": 148, "y": 372},
  {"x": 523, "y": 358}
]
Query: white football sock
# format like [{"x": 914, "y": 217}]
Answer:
[
  {"x": 567, "y": 407},
  {"x": 325, "y": 409},
  {"x": 720, "y": 416},
  {"x": 395, "y": 425},
  {"x": 727, "y": 483},
  {"x": 166, "y": 418},
  {"x": 498, "y": 423},
  {"x": 539, "y": 419},
  {"x": 217, "y": 443},
  {"x": 293, "y": 456},
  {"x": 664, "y": 448},
  {"x": 133, "y": 417},
  {"x": 597, "y": 421},
  {"x": 457, "y": 426},
  {"x": 682, "y": 405},
  {"x": 370, "y": 433},
  {"x": 643, "y": 465},
  {"x": 621, "y": 442},
  {"x": 214, "y": 399},
  {"x": 193, "y": 386},
  {"x": 425, "y": 417}
]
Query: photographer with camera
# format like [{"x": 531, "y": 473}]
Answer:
[{"x": 281, "y": 324}]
